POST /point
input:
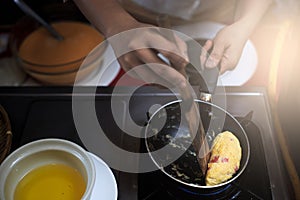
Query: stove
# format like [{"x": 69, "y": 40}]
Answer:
[{"x": 37, "y": 113}]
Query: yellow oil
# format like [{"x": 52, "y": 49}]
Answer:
[{"x": 51, "y": 182}]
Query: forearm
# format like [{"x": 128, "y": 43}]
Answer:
[
  {"x": 106, "y": 15},
  {"x": 250, "y": 12}
]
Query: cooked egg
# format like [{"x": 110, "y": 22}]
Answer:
[{"x": 225, "y": 158}]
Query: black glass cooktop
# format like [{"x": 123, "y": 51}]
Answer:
[{"x": 37, "y": 113}]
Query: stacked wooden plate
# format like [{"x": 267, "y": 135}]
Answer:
[{"x": 56, "y": 62}]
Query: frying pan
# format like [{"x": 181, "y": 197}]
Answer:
[
  {"x": 185, "y": 170},
  {"x": 168, "y": 127}
]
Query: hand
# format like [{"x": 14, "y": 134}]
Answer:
[
  {"x": 226, "y": 48},
  {"x": 144, "y": 43}
]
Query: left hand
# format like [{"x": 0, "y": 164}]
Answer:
[{"x": 226, "y": 48}]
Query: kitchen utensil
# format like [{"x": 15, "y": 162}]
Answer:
[
  {"x": 184, "y": 173},
  {"x": 190, "y": 108},
  {"x": 205, "y": 81},
  {"x": 202, "y": 78},
  {"x": 25, "y": 8}
]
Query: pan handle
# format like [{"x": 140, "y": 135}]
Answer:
[
  {"x": 211, "y": 76},
  {"x": 207, "y": 80}
]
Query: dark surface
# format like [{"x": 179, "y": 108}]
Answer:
[{"x": 46, "y": 112}]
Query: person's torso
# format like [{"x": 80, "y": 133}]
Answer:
[{"x": 181, "y": 11}]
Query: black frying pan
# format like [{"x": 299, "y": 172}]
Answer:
[
  {"x": 185, "y": 170},
  {"x": 167, "y": 128}
]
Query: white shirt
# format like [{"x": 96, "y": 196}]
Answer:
[{"x": 184, "y": 9}]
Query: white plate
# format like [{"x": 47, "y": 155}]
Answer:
[
  {"x": 247, "y": 63},
  {"x": 105, "y": 184},
  {"x": 109, "y": 71}
]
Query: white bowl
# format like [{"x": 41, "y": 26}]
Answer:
[{"x": 43, "y": 152}]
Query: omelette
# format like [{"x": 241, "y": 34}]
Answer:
[{"x": 225, "y": 158}]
